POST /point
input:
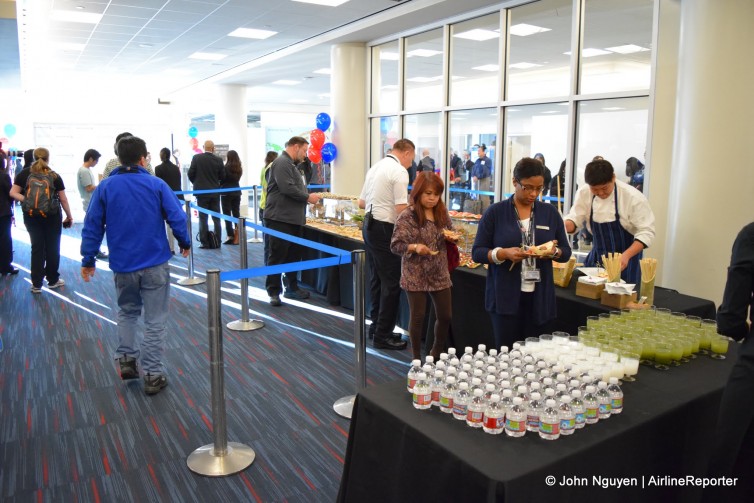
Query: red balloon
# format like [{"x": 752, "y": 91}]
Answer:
[
  {"x": 314, "y": 154},
  {"x": 194, "y": 143},
  {"x": 317, "y": 139}
]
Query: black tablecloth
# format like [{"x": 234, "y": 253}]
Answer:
[{"x": 398, "y": 453}]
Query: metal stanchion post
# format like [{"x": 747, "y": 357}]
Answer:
[
  {"x": 344, "y": 406},
  {"x": 244, "y": 324},
  {"x": 191, "y": 280},
  {"x": 222, "y": 457},
  {"x": 256, "y": 238}
]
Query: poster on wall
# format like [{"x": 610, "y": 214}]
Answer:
[{"x": 221, "y": 150}]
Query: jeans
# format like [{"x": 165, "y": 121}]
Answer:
[
  {"x": 44, "y": 234},
  {"x": 148, "y": 290},
  {"x": 385, "y": 277},
  {"x": 231, "y": 204},
  {"x": 283, "y": 252},
  {"x": 211, "y": 203}
]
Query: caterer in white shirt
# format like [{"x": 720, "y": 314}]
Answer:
[{"x": 618, "y": 216}]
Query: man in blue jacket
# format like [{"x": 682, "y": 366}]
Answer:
[{"x": 131, "y": 207}]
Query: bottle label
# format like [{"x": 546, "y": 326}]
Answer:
[
  {"x": 515, "y": 425},
  {"x": 580, "y": 419},
  {"x": 475, "y": 416},
  {"x": 410, "y": 383},
  {"x": 616, "y": 403},
  {"x": 532, "y": 421},
  {"x": 435, "y": 397},
  {"x": 549, "y": 428},
  {"x": 446, "y": 402},
  {"x": 494, "y": 423},
  {"x": 605, "y": 408},
  {"x": 459, "y": 409},
  {"x": 592, "y": 413},
  {"x": 422, "y": 399},
  {"x": 567, "y": 424}
]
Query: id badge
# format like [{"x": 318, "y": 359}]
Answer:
[{"x": 530, "y": 273}]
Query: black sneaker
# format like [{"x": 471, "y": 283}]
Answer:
[
  {"x": 153, "y": 384},
  {"x": 275, "y": 300},
  {"x": 296, "y": 294},
  {"x": 128, "y": 369}
]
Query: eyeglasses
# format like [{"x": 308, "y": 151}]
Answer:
[{"x": 530, "y": 188}]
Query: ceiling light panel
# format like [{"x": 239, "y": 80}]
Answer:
[
  {"x": 523, "y": 65},
  {"x": 207, "y": 56},
  {"x": 423, "y": 53},
  {"x": 626, "y": 49},
  {"x": 327, "y": 3},
  {"x": 285, "y": 82},
  {"x": 76, "y": 16},
  {"x": 487, "y": 68},
  {"x": 524, "y": 30},
  {"x": 478, "y": 35},
  {"x": 252, "y": 33}
]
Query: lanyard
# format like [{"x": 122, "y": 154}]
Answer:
[{"x": 526, "y": 235}]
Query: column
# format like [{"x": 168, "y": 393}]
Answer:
[
  {"x": 348, "y": 101},
  {"x": 712, "y": 178},
  {"x": 230, "y": 128}
]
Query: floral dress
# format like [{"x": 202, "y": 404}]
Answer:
[{"x": 420, "y": 273}]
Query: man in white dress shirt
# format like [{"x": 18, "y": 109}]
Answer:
[{"x": 618, "y": 216}]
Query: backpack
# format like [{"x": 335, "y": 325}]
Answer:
[
  {"x": 40, "y": 197},
  {"x": 212, "y": 240}
]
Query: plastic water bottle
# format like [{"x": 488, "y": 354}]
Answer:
[
  {"x": 515, "y": 419},
  {"x": 476, "y": 384},
  {"x": 494, "y": 416},
  {"x": 523, "y": 393},
  {"x": 493, "y": 353},
  {"x": 549, "y": 421},
  {"x": 412, "y": 372},
  {"x": 422, "y": 393},
  {"x": 491, "y": 379},
  {"x": 533, "y": 412},
  {"x": 566, "y": 415},
  {"x": 577, "y": 406},
  {"x": 438, "y": 383},
  {"x": 447, "y": 395},
  {"x": 463, "y": 377},
  {"x": 430, "y": 360},
  {"x": 591, "y": 406},
  {"x": 603, "y": 398},
  {"x": 461, "y": 401},
  {"x": 616, "y": 396},
  {"x": 429, "y": 370},
  {"x": 573, "y": 384},
  {"x": 481, "y": 352},
  {"x": 475, "y": 410},
  {"x": 561, "y": 390},
  {"x": 507, "y": 400},
  {"x": 489, "y": 390},
  {"x": 451, "y": 353}
]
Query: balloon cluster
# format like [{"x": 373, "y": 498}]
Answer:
[
  {"x": 193, "y": 132},
  {"x": 319, "y": 151}
]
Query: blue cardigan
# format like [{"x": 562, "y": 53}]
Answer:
[{"x": 499, "y": 227}]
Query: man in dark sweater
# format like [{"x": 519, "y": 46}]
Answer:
[{"x": 207, "y": 173}]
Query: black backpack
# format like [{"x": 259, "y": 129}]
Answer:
[
  {"x": 40, "y": 197},
  {"x": 212, "y": 240}
]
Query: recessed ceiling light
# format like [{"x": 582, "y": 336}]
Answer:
[
  {"x": 323, "y": 71},
  {"x": 611, "y": 109},
  {"x": 513, "y": 109},
  {"x": 478, "y": 34},
  {"x": 76, "y": 17},
  {"x": 285, "y": 82},
  {"x": 389, "y": 56},
  {"x": 550, "y": 112},
  {"x": 524, "y": 30},
  {"x": 589, "y": 52},
  {"x": 145, "y": 46},
  {"x": 626, "y": 49},
  {"x": 252, "y": 33},
  {"x": 207, "y": 56},
  {"x": 524, "y": 65},
  {"x": 486, "y": 68},
  {"x": 328, "y": 3},
  {"x": 423, "y": 53},
  {"x": 423, "y": 80}
]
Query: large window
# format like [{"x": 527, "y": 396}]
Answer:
[
  {"x": 617, "y": 46},
  {"x": 475, "y": 61},
  {"x": 467, "y": 130},
  {"x": 425, "y": 130},
  {"x": 540, "y": 44},
  {"x": 424, "y": 71},
  {"x": 385, "y": 133},
  {"x": 385, "y": 63}
]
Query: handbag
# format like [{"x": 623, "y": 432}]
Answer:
[{"x": 454, "y": 256}]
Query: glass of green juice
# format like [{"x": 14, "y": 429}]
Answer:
[
  {"x": 719, "y": 346},
  {"x": 663, "y": 355}
]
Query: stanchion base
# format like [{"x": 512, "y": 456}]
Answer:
[
  {"x": 255, "y": 240},
  {"x": 191, "y": 281},
  {"x": 344, "y": 406},
  {"x": 245, "y": 326},
  {"x": 204, "y": 462}
]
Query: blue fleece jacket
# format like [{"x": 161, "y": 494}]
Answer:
[{"x": 131, "y": 206}]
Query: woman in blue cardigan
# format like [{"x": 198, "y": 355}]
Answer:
[{"x": 520, "y": 295}]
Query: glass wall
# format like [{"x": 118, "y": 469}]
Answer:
[
  {"x": 475, "y": 61},
  {"x": 424, "y": 71},
  {"x": 425, "y": 130},
  {"x": 539, "y": 64},
  {"x": 468, "y": 129},
  {"x": 385, "y": 64},
  {"x": 385, "y": 134}
]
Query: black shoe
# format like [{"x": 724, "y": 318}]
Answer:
[
  {"x": 153, "y": 384},
  {"x": 11, "y": 272},
  {"x": 203, "y": 247},
  {"x": 275, "y": 300},
  {"x": 128, "y": 368},
  {"x": 102, "y": 256},
  {"x": 389, "y": 344},
  {"x": 296, "y": 294}
]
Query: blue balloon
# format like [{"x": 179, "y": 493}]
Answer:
[
  {"x": 323, "y": 122},
  {"x": 329, "y": 152},
  {"x": 193, "y": 132},
  {"x": 386, "y": 124},
  {"x": 10, "y": 130}
]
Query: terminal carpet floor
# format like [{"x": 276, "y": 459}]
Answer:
[{"x": 71, "y": 430}]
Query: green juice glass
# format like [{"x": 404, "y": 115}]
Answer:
[{"x": 719, "y": 347}]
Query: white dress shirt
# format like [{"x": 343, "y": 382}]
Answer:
[
  {"x": 385, "y": 186},
  {"x": 633, "y": 209}
]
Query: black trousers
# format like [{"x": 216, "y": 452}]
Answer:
[
  {"x": 265, "y": 237},
  {"x": 211, "y": 203},
  {"x": 384, "y": 282},
  {"x": 232, "y": 207},
  {"x": 282, "y": 252},
  {"x": 6, "y": 244},
  {"x": 510, "y": 328},
  {"x": 44, "y": 234}
]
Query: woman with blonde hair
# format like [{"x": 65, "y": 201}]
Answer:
[{"x": 42, "y": 218}]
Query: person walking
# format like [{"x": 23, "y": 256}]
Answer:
[
  {"x": 207, "y": 173},
  {"x": 171, "y": 174},
  {"x": 86, "y": 184},
  {"x": 231, "y": 201}
]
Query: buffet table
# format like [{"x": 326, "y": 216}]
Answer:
[{"x": 398, "y": 453}]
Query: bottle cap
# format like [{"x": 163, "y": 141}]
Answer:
[
  {"x": 438, "y": 373},
  {"x": 613, "y": 380},
  {"x": 476, "y": 381},
  {"x": 522, "y": 389},
  {"x": 478, "y": 392},
  {"x": 518, "y": 400},
  {"x": 416, "y": 362},
  {"x": 451, "y": 351},
  {"x": 495, "y": 398},
  {"x": 590, "y": 389},
  {"x": 429, "y": 359},
  {"x": 550, "y": 402},
  {"x": 576, "y": 393},
  {"x": 508, "y": 393},
  {"x": 422, "y": 375},
  {"x": 468, "y": 349},
  {"x": 565, "y": 399},
  {"x": 489, "y": 387},
  {"x": 482, "y": 347},
  {"x": 451, "y": 379},
  {"x": 464, "y": 385},
  {"x": 536, "y": 396}
]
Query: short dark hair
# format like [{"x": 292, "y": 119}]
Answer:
[
  {"x": 483, "y": 147},
  {"x": 271, "y": 156},
  {"x": 297, "y": 140},
  {"x": 164, "y": 154},
  {"x": 599, "y": 172},
  {"x": 92, "y": 154},
  {"x": 28, "y": 157},
  {"x": 527, "y": 168},
  {"x": 404, "y": 145},
  {"x": 130, "y": 150},
  {"x": 119, "y": 138}
]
